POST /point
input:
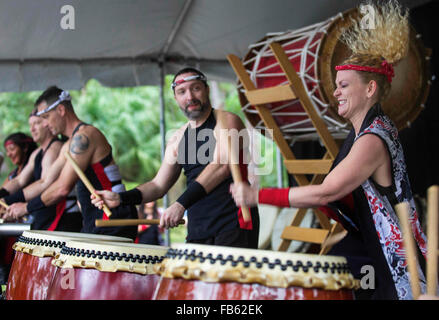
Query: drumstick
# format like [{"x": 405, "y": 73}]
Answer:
[
  {"x": 85, "y": 181},
  {"x": 234, "y": 167},
  {"x": 128, "y": 222},
  {"x": 402, "y": 210},
  {"x": 432, "y": 237},
  {"x": 4, "y": 204},
  {"x": 334, "y": 238}
]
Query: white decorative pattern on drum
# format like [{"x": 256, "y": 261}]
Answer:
[
  {"x": 110, "y": 256},
  {"x": 302, "y": 48},
  {"x": 269, "y": 268},
  {"x": 42, "y": 243}
]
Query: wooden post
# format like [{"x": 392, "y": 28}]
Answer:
[
  {"x": 402, "y": 210},
  {"x": 432, "y": 237}
]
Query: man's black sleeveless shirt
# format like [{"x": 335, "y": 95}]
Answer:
[{"x": 216, "y": 212}]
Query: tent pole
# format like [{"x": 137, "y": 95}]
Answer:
[
  {"x": 280, "y": 182},
  {"x": 163, "y": 136}
]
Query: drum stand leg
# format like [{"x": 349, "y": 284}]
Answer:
[{"x": 298, "y": 168}]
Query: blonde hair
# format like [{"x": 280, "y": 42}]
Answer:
[{"x": 387, "y": 39}]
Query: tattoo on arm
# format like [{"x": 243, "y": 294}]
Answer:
[{"x": 79, "y": 144}]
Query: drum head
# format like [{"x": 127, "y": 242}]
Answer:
[{"x": 409, "y": 88}]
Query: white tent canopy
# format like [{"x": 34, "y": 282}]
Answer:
[{"x": 121, "y": 43}]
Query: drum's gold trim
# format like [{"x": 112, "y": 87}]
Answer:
[
  {"x": 43, "y": 243},
  {"x": 193, "y": 269},
  {"x": 100, "y": 258},
  {"x": 35, "y": 250}
]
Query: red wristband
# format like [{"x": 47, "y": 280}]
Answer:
[{"x": 275, "y": 196}]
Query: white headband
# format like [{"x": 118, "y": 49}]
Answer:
[
  {"x": 194, "y": 77},
  {"x": 64, "y": 96}
]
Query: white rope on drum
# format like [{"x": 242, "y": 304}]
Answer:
[{"x": 310, "y": 50}]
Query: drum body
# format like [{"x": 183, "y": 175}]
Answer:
[
  {"x": 32, "y": 271},
  {"x": 192, "y": 272},
  {"x": 105, "y": 271},
  {"x": 314, "y": 51}
]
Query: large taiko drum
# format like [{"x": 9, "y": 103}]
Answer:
[
  {"x": 314, "y": 52},
  {"x": 105, "y": 271},
  {"x": 200, "y": 272},
  {"x": 32, "y": 271}
]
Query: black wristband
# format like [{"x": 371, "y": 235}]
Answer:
[
  {"x": 194, "y": 192},
  {"x": 35, "y": 204},
  {"x": 15, "y": 197},
  {"x": 133, "y": 196},
  {"x": 3, "y": 193}
]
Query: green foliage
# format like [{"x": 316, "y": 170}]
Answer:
[{"x": 130, "y": 119}]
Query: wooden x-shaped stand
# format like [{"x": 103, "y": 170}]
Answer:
[{"x": 298, "y": 168}]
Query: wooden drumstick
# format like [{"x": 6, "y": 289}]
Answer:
[
  {"x": 432, "y": 237},
  {"x": 128, "y": 222},
  {"x": 402, "y": 210},
  {"x": 234, "y": 165},
  {"x": 85, "y": 180},
  {"x": 4, "y": 204}
]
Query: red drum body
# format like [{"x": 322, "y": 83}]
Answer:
[
  {"x": 180, "y": 289},
  {"x": 32, "y": 270},
  {"x": 29, "y": 278},
  {"x": 314, "y": 51},
  {"x": 105, "y": 271},
  {"x": 199, "y": 272}
]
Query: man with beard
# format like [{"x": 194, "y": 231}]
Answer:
[
  {"x": 91, "y": 151},
  {"x": 213, "y": 218}
]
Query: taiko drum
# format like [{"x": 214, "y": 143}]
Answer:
[
  {"x": 105, "y": 271},
  {"x": 200, "y": 272},
  {"x": 314, "y": 51},
  {"x": 31, "y": 271}
]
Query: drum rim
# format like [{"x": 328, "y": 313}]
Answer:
[
  {"x": 55, "y": 235},
  {"x": 44, "y": 243},
  {"x": 333, "y": 274},
  {"x": 107, "y": 256},
  {"x": 274, "y": 253}
]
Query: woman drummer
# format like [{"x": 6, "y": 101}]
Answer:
[
  {"x": 369, "y": 175},
  {"x": 19, "y": 147}
]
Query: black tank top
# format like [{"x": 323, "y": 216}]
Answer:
[
  {"x": 100, "y": 180},
  {"x": 216, "y": 212},
  {"x": 54, "y": 217},
  {"x": 39, "y": 160}
]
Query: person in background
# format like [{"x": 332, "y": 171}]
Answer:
[
  {"x": 149, "y": 234},
  {"x": 18, "y": 147},
  {"x": 91, "y": 151},
  {"x": 65, "y": 216}
]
